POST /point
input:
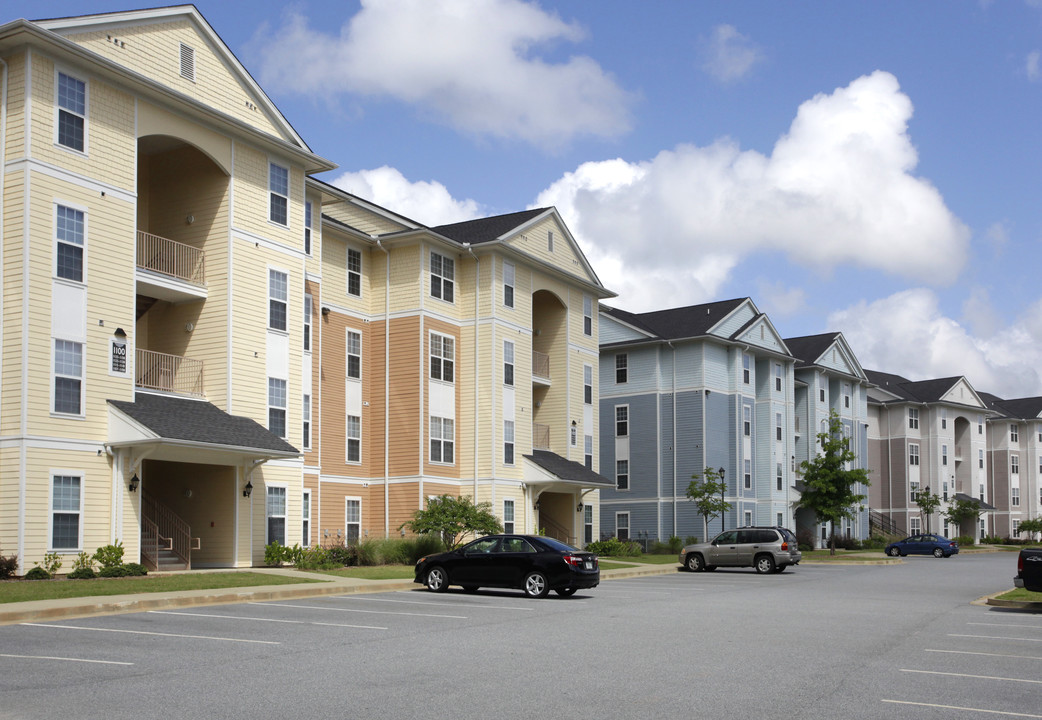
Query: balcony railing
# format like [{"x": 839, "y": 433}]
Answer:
[
  {"x": 168, "y": 373},
  {"x": 540, "y": 364},
  {"x": 172, "y": 258},
  {"x": 540, "y": 436}
]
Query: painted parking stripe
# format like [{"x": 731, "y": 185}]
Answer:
[
  {"x": 65, "y": 659},
  {"x": 157, "y": 634},
  {"x": 972, "y": 677},
  {"x": 371, "y": 612},
  {"x": 260, "y": 619},
  {"x": 1009, "y": 625},
  {"x": 998, "y": 655},
  {"x": 958, "y": 707},
  {"x": 432, "y": 602},
  {"x": 995, "y": 637}
]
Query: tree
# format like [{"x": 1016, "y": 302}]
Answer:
[
  {"x": 828, "y": 485},
  {"x": 962, "y": 511},
  {"x": 708, "y": 495},
  {"x": 1031, "y": 527},
  {"x": 928, "y": 503},
  {"x": 453, "y": 518}
]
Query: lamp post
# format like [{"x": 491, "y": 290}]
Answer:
[{"x": 723, "y": 486}]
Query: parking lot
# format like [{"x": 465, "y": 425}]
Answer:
[{"x": 822, "y": 641}]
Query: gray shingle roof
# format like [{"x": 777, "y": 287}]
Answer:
[
  {"x": 675, "y": 323},
  {"x": 809, "y": 348},
  {"x": 487, "y": 229},
  {"x": 1021, "y": 408},
  {"x": 567, "y": 469},
  {"x": 200, "y": 422},
  {"x": 913, "y": 391}
]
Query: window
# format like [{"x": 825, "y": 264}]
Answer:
[
  {"x": 913, "y": 454},
  {"x": 508, "y": 362},
  {"x": 621, "y": 368},
  {"x": 821, "y": 388},
  {"x": 980, "y": 424},
  {"x": 777, "y": 426},
  {"x": 72, "y": 112},
  {"x": 622, "y": 474},
  {"x": 846, "y": 395},
  {"x": 588, "y": 451},
  {"x": 777, "y": 376},
  {"x": 944, "y": 454},
  {"x": 550, "y": 241},
  {"x": 1014, "y": 496},
  {"x": 622, "y": 525},
  {"x": 353, "y": 438},
  {"x": 305, "y": 515},
  {"x": 508, "y": 442},
  {"x": 1014, "y": 465},
  {"x": 913, "y": 418},
  {"x": 277, "y": 406},
  {"x": 508, "y": 284},
  {"x": 278, "y": 296},
  {"x": 588, "y": 384},
  {"x": 353, "y": 350},
  {"x": 1014, "y": 433},
  {"x": 980, "y": 459},
  {"x": 587, "y": 315},
  {"x": 916, "y": 526},
  {"x": 778, "y": 477},
  {"x": 68, "y": 377},
  {"x": 747, "y": 362},
  {"x": 779, "y": 521},
  {"x": 1040, "y": 466},
  {"x": 913, "y": 490},
  {"x": 278, "y": 192},
  {"x": 307, "y": 228},
  {"x": 354, "y": 272},
  {"x": 748, "y": 516},
  {"x": 69, "y": 243},
  {"x": 442, "y": 274},
  {"x": 352, "y": 520},
  {"x": 980, "y": 494},
  {"x": 622, "y": 421},
  {"x": 187, "y": 57},
  {"x": 443, "y": 434},
  {"x": 276, "y": 511},
  {"x": 306, "y": 429},
  {"x": 442, "y": 357},
  {"x": 747, "y": 421},
  {"x": 945, "y": 496},
  {"x": 1016, "y": 528},
  {"x": 508, "y": 517},
  {"x": 307, "y": 322},
  {"x": 587, "y": 524},
  {"x": 944, "y": 418},
  {"x": 748, "y": 474},
  {"x": 65, "y": 512}
]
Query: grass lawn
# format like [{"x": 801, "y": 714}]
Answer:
[
  {"x": 844, "y": 555},
  {"x": 28, "y": 590},
  {"x": 1021, "y": 595},
  {"x": 376, "y": 572},
  {"x": 609, "y": 565},
  {"x": 670, "y": 559}
]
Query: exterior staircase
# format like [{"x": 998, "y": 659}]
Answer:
[{"x": 166, "y": 539}]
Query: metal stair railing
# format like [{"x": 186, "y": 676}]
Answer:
[
  {"x": 878, "y": 520},
  {"x": 170, "y": 528},
  {"x": 557, "y": 531}
]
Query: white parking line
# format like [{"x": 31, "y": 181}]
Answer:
[
  {"x": 958, "y": 707},
  {"x": 260, "y": 619},
  {"x": 48, "y": 657},
  {"x": 430, "y": 602},
  {"x": 995, "y": 637},
  {"x": 371, "y": 612},
  {"x": 1009, "y": 625},
  {"x": 999, "y": 655},
  {"x": 972, "y": 677},
  {"x": 159, "y": 634}
]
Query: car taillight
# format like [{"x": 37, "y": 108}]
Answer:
[
  {"x": 1020, "y": 565},
  {"x": 785, "y": 546},
  {"x": 573, "y": 560}
]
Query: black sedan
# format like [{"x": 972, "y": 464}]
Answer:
[
  {"x": 532, "y": 563},
  {"x": 927, "y": 544}
]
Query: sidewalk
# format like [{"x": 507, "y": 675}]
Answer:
[{"x": 67, "y": 608}]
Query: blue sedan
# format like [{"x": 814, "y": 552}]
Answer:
[{"x": 925, "y": 544}]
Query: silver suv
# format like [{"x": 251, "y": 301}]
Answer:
[{"x": 768, "y": 549}]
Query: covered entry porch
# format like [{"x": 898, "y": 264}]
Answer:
[{"x": 563, "y": 495}]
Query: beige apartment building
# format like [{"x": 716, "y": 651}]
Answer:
[{"x": 204, "y": 349}]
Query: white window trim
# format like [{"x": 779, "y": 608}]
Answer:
[
  {"x": 309, "y": 239},
  {"x": 284, "y": 408},
  {"x": 450, "y": 441},
  {"x": 348, "y": 438},
  {"x": 619, "y": 474},
  {"x": 82, "y": 414},
  {"x": 588, "y": 383},
  {"x": 508, "y": 360},
  {"x": 52, "y": 473},
  {"x": 508, "y": 441},
  {"x": 350, "y": 272},
  {"x": 309, "y": 310},
  {"x": 621, "y": 514},
  {"x": 914, "y": 454},
  {"x": 348, "y": 333},
  {"x": 442, "y": 358},
  {"x": 361, "y": 516},
  {"x": 587, "y": 315},
  {"x": 616, "y": 420},
  {"x": 289, "y": 183},
  {"x": 509, "y": 502},
  {"x": 441, "y": 277},
  {"x": 305, "y": 517},
  {"x": 284, "y": 301},
  {"x": 305, "y": 411},
  {"x": 86, "y": 111},
  {"x": 82, "y": 282},
  {"x": 626, "y": 369},
  {"x": 268, "y": 487},
  {"x": 509, "y": 280}
]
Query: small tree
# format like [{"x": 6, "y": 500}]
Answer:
[
  {"x": 962, "y": 511},
  {"x": 453, "y": 518},
  {"x": 708, "y": 496},
  {"x": 1031, "y": 527},
  {"x": 928, "y": 503},
  {"x": 828, "y": 486}
]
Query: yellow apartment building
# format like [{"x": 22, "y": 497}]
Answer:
[{"x": 204, "y": 349}]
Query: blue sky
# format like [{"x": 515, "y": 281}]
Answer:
[{"x": 865, "y": 167}]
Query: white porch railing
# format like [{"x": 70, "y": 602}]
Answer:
[
  {"x": 168, "y": 373},
  {"x": 169, "y": 257}
]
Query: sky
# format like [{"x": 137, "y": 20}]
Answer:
[{"x": 871, "y": 168}]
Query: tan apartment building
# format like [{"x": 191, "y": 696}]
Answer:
[{"x": 203, "y": 349}]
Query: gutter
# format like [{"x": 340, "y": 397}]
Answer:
[{"x": 387, "y": 389}]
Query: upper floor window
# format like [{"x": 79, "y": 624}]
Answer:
[
  {"x": 777, "y": 426},
  {"x": 980, "y": 459},
  {"x": 588, "y": 451},
  {"x": 278, "y": 191},
  {"x": 72, "y": 112},
  {"x": 508, "y": 442},
  {"x": 307, "y": 228},
  {"x": 846, "y": 395},
  {"x": 778, "y": 476},
  {"x": 442, "y": 357},
  {"x": 944, "y": 419},
  {"x": 1014, "y": 433},
  {"x": 747, "y": 421},
  {"x": 442, "y": 274},
  {"x": 69, "y": 236},
  {"x": 442, "y": 440},
  {"x": 913, "y": 454},
  {"x": 68, "y": 377},
  {"x": 278, "y": 296},
  {"x": 1014, "y": 465},
  {"x": 747, "y": 363},
  {"x": 621, "y": 368},
  {"x": 354, "y": 354},
  {"x": 777, "y": 377},
  {"x": 748, "y": 474},
  {"x": 587, "y": 315},
  {"x": 353, "y": 438},
  {"x": 821, "y": 388},
  {"x": 622, "y": 421},
  {"x": 980, "y": 424},
  {"x": 354, "y": 272},
  {"x": 913, "y": 492},
  {"x": 508, "y": 283},
  {"x": 277, "y": 406},
  {"x": 622, "y": 474},
  {"x": 588, "y": 384},
  {"x": 508, "y": 362},
  {"x": 944, "y": 454},
  {"x": 913, "y": 418},
  {"x": 307, "y": 322},
  {"x": 1014, "y": 493},
  {"x": 306, "y": 428}
]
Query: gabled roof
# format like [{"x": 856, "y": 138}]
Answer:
[
  {"x": 568, "y": 470},
  {"x": 1020, "y": 408},
  {"x": 487, "y": 229},
  {"x": 921, "y": 391},
  {"x": 808, "y": 349},
  {"x": 675, "y": 323}
]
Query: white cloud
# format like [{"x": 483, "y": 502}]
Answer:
[
  {"x": 428, "y": 203},
  {"x": 728, "y": 55},
  {"x": 837, "y": 189},
  {"x": 777, "y": 300},
  {"x": 1031, "y": 66},
  {"x": 997, "y": 235},
  {"x": 474, "y": 64},
  {"x": 907, "y": 334}
]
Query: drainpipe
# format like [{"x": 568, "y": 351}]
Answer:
[
  {"x": 477, "y": 377},
  {"x": 674, "y": 390},
  {"x": 387, "y": 390}
]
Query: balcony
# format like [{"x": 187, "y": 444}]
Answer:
[
  {"x": 540, "y": 436},
  {"x": 170, "y": 270},
  {"x": 540, "y": 368},
  {"x": 168, "y": 373}
]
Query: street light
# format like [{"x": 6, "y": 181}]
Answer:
[{"x": 723, "y": 486}]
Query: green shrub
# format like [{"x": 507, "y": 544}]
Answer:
[
  {"x": 423, "y": 545},
  {"x": 136, "y": 569},
  {"x": 51, "y": 563},
  {"x": 8, "y": 566},
  {"x": 964, "y": 541},
  {"x": 83, "y": 561},
  {"x": 110, "y": 555},
  {"x": 275, "y": 554},
  {"x": 115, "y": 571},
  {"x": 691, "y": 540},
  {"x": 316, "y": 558},
  {"x": 844, "y": 543},
  {"x": 37, "y": 573},
  {"x": 340, "y": 554},
  {"x": 613, "y": 547},
  {"x": 805, "y": 540},
  {"x": 82, "y": 573},
  {"x": 876, "y": 542}
]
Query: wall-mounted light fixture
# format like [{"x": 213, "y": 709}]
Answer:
[
  {"x": 325, "y": 311},
  {"x": 189, "y": 219},
  {"x": 120, "y": 333},
  {"x": 579, "y": 507},
  {"x": 133, "y": 483},
  {"x": 248, "y": 490}
]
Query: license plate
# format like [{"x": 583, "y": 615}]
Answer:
[{"x": 588, "y": 565}]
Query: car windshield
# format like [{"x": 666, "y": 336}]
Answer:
[{"x": 557, "y": 545}]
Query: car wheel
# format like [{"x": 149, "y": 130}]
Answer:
[
  {"x": 937, "y": 553},
  {"x": 565, "y": 592},
  {"x": 535, "y": 585},
  {"x": 695, "y": 562},
  {"x": 764, "y": 564},
  {"x": 894, "y": 552},
  {"x": 470, "y": 588},
  {"x": 437, "y": 579}
]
